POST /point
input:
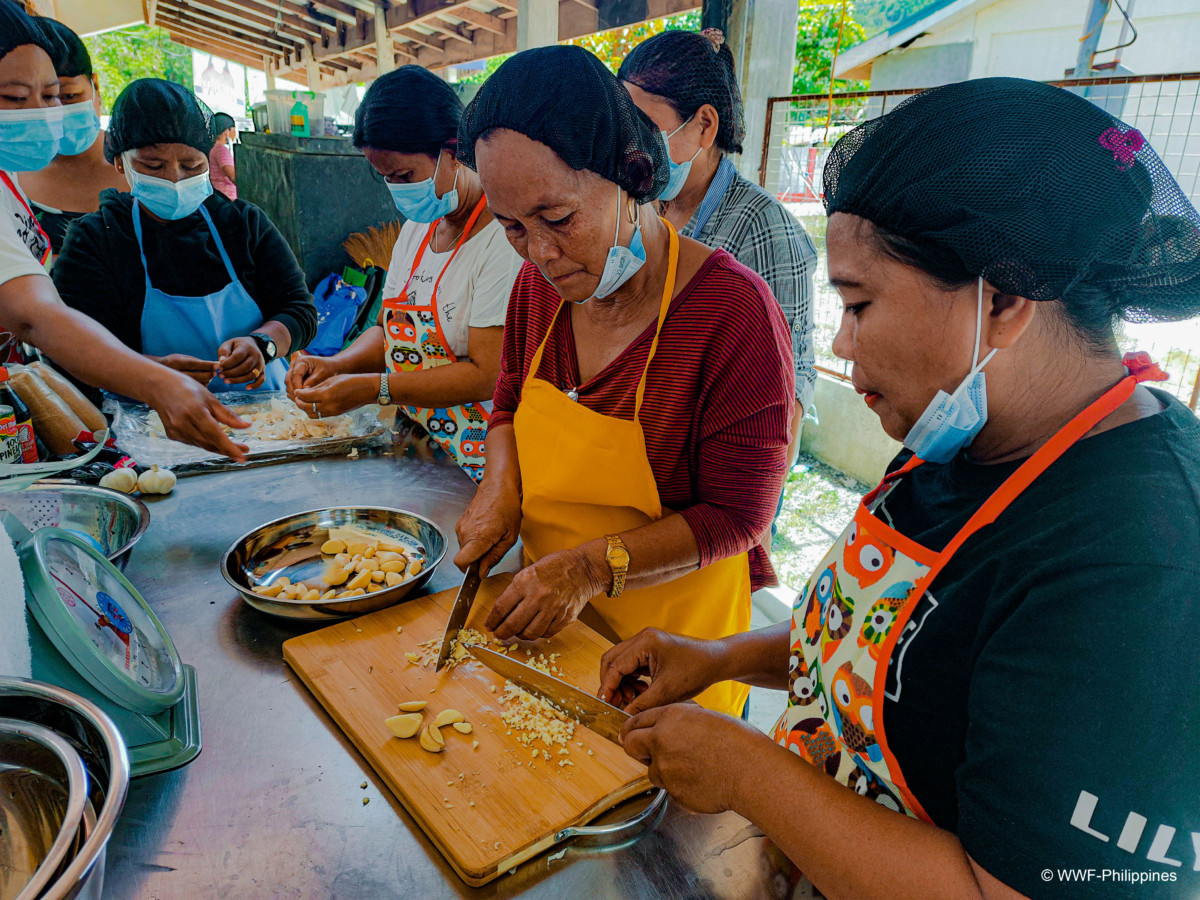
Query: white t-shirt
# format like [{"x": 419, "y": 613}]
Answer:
[
  {"x": 22, "y": 243},
  {"x": 474, "y": 291}
]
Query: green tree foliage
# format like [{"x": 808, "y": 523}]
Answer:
[
  {"x": 816, "y": 38},
  {"x": 119, "y": 57},
  {"x": 613, "y": 46}
]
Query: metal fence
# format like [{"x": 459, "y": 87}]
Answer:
[{"x": 801, "y": 129}]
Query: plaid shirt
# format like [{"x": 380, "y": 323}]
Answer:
[{"x": 738, "y": 216}]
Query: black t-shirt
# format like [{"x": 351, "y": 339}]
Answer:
[
  {"x": 1045, "y": 696},
  {"x": 99, "y": 271}
]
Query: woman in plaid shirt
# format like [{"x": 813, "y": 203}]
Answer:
[{"x": 685, "y": 82}]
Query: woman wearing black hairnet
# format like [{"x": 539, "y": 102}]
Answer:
[
  {"x": 436, "y": 349},
  {"x": 202, "y": 284},
  {"x": 992, "y": 677},
  {"x": 641, "y": 415},
  {"x": 685, "y": 83},
  {"x": 70, "y": 186},
  {"x": 31, "y": 132}
]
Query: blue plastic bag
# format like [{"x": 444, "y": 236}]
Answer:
[{"x": 337, "y": 307}]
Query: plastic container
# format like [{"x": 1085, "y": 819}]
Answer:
[{"x": 280, "y": 118}]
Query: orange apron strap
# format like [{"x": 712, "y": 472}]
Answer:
[
  {"x": 1046, "y": 455},
  {"x": 462, "y": 239},
  {"x": 417, "y": 259},
  {"x": 668, "y": 293},
  {"x": 536, "y": 362}
]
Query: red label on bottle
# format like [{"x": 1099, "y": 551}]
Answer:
[{"x": 29, "y": 452}]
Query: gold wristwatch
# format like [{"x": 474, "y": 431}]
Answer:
[{"x": 617, "y": 557}]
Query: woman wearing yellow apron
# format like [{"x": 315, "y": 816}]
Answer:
[
  {"x": 638, "y": 438},
  {"x": 991, "y": 692},
  {"x": 436, "y": 349}
]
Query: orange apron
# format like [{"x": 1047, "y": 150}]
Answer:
[
  {"x": 585, "y": 475},
  {"x": 415, "y": 341},
  {"x": 851, "y": 614}
]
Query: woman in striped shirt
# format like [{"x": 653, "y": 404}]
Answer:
[{"x": 640, "y": 429}]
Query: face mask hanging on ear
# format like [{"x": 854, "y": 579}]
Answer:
[
  {"x": 679, "y": 171},
  {"x": 951, "y": 421},
  {"x": 622, "y": 262}
]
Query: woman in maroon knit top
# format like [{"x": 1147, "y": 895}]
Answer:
[{"x": 662, "y": 513}]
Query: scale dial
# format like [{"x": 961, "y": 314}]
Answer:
[{"x": 99, "y": 622}]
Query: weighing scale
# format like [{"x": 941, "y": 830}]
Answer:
[{"x": 91, "y": 632}]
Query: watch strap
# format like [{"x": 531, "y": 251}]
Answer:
[
  {"x": 385, "y": 391},
  {"x": 618, "y": 572},
  {"x": 266, "y": 345}
]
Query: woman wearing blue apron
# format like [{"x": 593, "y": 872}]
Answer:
[
  {"x": 197, "y": 282},
  {"x": 991, "y": 678}
]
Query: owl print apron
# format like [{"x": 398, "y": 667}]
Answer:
[
  {"x": 415, "y": 342},
  {"x": 853, "y": 611}
]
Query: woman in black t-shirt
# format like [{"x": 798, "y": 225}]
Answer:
[
  {"x": 992, "y": 687},
  {"x": 202, "y": 284}
]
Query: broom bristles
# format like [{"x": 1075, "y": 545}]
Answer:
[{"x": 373, "y": 246}]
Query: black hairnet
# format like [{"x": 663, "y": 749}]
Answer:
[
  {"x": 688, "y": 70},
  {"x": 1034, "y": 188},
  {"x": 71, "y": 57},
  {"x": 409, "y": 110},
  {"x": 18, "y": 28},
  {"x": 565, "y": 98},
  {"x": 221, "y": 123},
  {"x": 154, "y": 111}
]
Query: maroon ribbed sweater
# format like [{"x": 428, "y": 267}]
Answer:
[{"x": 718, "y": 397}]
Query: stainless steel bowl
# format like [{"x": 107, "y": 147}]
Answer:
[
  {"x": 43, "y": 790},
  {"x": 291, "y": 547},
  {"x": 114, "y": 521},
  {"x": 92, "y": 734}
]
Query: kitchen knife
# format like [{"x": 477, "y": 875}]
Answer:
[
  {"x": 600, "y": 717},
  {"x": 459, "y": 612}
]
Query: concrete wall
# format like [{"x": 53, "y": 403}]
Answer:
[
  {"x": 849, "y": 436},
  {"x": 1039, "y": 40}
]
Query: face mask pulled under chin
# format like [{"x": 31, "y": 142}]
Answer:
[
  {"x": 952, "y": 421},
  {"x": 167, "y": 199},
  {"x": 622, "y": 263}
]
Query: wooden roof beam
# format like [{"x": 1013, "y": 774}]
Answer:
[
  {"x": 272, "y": 17},
  {"x": 215, "y": 13},
  {"x": 208, "y": 44},
  {"x": 447, "y": 29},
  {"x": 483, "y": 20},
  {"x": 168, "y": 18}
]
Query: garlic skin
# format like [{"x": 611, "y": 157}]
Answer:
[
  {"x": 123, "y": 480},
  {"x": 156, "y": 481}
]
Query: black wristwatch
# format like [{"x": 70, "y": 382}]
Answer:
[{"x": 266, "y": 345}]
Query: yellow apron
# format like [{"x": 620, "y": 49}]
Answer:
[{"x": 585, "y": 475}]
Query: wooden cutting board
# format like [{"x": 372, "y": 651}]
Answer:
[{"x": 359, "y": 672}]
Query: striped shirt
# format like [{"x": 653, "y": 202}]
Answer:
[
  {"x": 740, "y": 217},
  {"x": 718, "y": 398}
]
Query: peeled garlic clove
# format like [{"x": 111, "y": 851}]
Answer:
[
  {"x": 269, "y": 590},
  {"x": 414, "y": 705},
  {"x": 428, "y": 743},
  {"x": 404, "y": 726},
  {"x": 462, "y": 727},
  {"x": 448, "y": 717},
  {"x": 333, "y": 546},
  {"x": 392, "y": 579}
]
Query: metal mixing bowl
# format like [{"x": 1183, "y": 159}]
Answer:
[
  {"x": 114, "y": 521},
  {"x": 291, "y": 547},
  {"x": 43, "y": 789},
  {"x": 92, "y": 734}
]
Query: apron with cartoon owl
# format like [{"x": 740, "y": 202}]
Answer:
[
  {"x": 847, "y": 621},
  {"x": 415, "y": 342}
]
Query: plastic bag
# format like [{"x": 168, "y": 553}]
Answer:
[
  {"x": 337, "y": 308},
  {"x": 139, "y": 433}
]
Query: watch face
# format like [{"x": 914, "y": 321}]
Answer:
[{"x": 618, "y": 557}]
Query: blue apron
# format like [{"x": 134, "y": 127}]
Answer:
[{"x": 198, "y": 326}]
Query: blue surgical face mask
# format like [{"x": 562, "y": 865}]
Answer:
[
  {"x": 679, "y": 171},
  {"x": 951, "y": 421},
  {"x": 167, "y": 199},
  {"x": 80, "y": 127},
  {"x": 419, "y": 201},
  {"x": 622, "y": 262},
  {"x": 29, "y": 138}
]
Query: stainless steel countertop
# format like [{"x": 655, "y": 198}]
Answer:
[{"x": 272, "y": 807}]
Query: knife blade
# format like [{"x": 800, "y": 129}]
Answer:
[
  {"x": 603, "y": 718},
  {"x": 459, "y": 612}
]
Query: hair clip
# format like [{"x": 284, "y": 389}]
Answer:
[
  {"x": 1123, "y": 144},
  {"x": 715, "y": 36}
]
